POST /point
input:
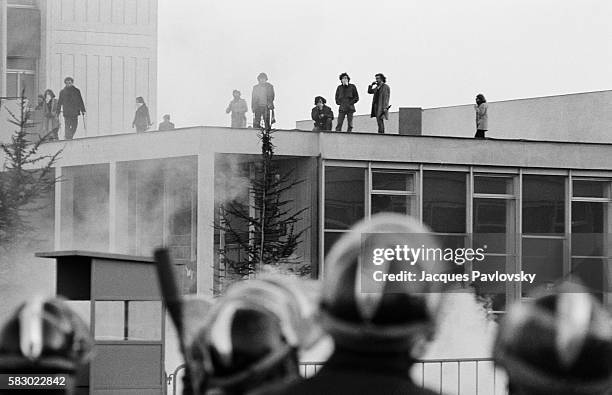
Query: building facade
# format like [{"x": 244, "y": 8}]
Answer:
[
  {"x": 109, "y": 47},
  {"x": 541, "y": 207}
]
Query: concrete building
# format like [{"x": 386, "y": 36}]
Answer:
[
  {"x": 108, "y": 47},
  {"x": 542, "y": 207}
]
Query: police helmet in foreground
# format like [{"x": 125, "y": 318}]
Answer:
[
  {"x": 252, "y": 336},
  {"x": 44, "y": 336},
  {"x": 367, "y": 315},
  {"x": 559, "y": 343}
]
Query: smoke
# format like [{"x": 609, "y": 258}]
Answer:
[{"x": 231, "y": 177}]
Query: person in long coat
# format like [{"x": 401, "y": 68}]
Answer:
[
  {"x": 482, "y": 116},
  {"x": 50, "y": 121},
  {"x": 238, "y": 108},
  {"x": 380, "y": 100},
  {"x": 142, "y": 120}
]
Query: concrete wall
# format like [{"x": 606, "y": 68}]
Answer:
[
  {"x": 110, "y": 48},
  {"x": 580, "y": 117}
]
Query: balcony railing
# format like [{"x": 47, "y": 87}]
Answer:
[{"x": 456, "y": 376}]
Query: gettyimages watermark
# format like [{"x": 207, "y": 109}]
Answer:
[{"x": 423, "y": 263}]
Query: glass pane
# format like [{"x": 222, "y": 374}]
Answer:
[
  {"x": 110, "y": 318},
  {"x": 543, "y": 204},
  {"x": 544, "y": 258},
  {"x": 329, "y": 240},
  {"x": 344, "y": 196},
  {"x": 393, "y": 204},
  {"x": 592, "y": 272},
  {"x": 392, "y": 181},
  {"x": 596, "y": 189},
  {"x": 144, "y": 320},
  {"x": 28, "y": 83},
  {"x": 444, "y": 201},
  {"x": 20, "y": 64},
  {"x": 11, "y": 85},
  {"x": 588, "y": 217},
  {"x": 494, "y": 225},
  {"x": 82, "y": 308},
  {"x": 493, "y": 293},
  {"x": 85, "y": 205},
  {"x": 493, "y": 185}
]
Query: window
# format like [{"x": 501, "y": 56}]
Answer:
[
  {"x": 344, "y": 196},
  {"x": 543, "y": 239},
  {"x": 393, "y": 191},
  {"x": 494, "y": 229},
  {"x": 85, "y": 207},
  {"x": 444, "y": 201},
  {"x": 591, "y": 244}
]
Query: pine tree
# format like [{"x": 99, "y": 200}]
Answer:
[
  {"x": 26, "y": 178},
  {"x": 272, "y": 239}
]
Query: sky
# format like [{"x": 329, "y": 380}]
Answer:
[{"x": 434, "y": 52}]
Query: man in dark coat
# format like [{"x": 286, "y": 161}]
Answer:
[
  {"x": 346, "y": 97},
  {"x": 71, "y": 102},
  {"x": 262, "y": 101},
  {"x": 322, "y": 115},
  {"x": 380, "y": 101}
]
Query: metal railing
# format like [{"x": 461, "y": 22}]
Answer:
[{"x": 451, "y": 376}]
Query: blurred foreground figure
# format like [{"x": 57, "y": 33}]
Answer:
[
  {"x": 44, "y": 336},
  {"x": 378, "y": 334},
  {"x": 559, "y": 344},
  {"x": 250, "y": 340}
]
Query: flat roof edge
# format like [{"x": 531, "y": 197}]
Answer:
[{"x": 94, "y": 254}]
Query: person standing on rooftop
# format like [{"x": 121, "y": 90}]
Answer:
[
  {"x": 71, "y": 102},
  {"x": 346, "y": 97},
  {"x": 262, "y": 101},
  {"x": 380, "y": 100},
  {"x": 482, "y": 117},
  {"x": 238, "y": 108}
]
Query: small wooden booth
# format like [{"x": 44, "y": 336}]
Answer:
[{"x": 119, "y": 296}]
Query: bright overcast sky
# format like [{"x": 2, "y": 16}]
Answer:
[{"x": 433, "y": 52}]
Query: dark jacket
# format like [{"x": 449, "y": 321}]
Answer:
[
  {"x": 263, "y": 96},
  {"x": 141, "y": 118},
  {"x": 349, "y": 373},
  {"x": 380, "y": 101},
  {"x": 165, "y": 126},
  {"x": 346, "y": 97},
  {"x": 50, "y": 120},
  {"x": 322, "y": 118},
  {"x": 71, "y": 101}
]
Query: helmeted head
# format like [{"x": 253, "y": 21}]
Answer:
[
  {"x": 558, "y": 343},
  {"x": 380, "y": 316},
  {"x": 262, "y": 77},
  {"x": 251, "y": 336},
  {"x": 44, "y": 336}
]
